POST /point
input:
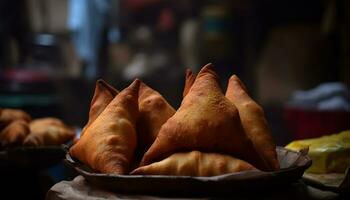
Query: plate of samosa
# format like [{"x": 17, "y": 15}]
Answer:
[
  {"x": 293, "y": 165},
  {"x": 135, "y": 141},
  {"x": 34, "y": 143}
]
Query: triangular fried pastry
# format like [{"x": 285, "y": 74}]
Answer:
[
  {"x": 190, "y": 78},
  {"x": 14, "y": 133},
  {"x": 103, "y": 95},
  {"x": 48, "y": 131},
  {"x": 154, "y": 112},
  {"x": 205, "y": 121},
  {"x": 195, "y": 163},
  {"x": 109, "y": 143},
  {"x": 8, "y": 115},
  {"x": 253, "y": 121}
]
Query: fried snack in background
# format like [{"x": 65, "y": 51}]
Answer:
[
  {"x": 109, "y": 143},
  {"x": 48, "y": 131},
  {"x": 195, "y": 163},
  {"x": 154, "y": 112},
  {"x": 15, "y": 133},
  {"x": 253, "y": 121},
  {"x": 8, "y": 115},
  {"x": 206, "y": 121},
  {"x": 190, "y": 78},
  {"x": 103, "y": 95}
]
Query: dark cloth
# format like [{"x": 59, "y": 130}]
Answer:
[{"x": 79, "y": 189}]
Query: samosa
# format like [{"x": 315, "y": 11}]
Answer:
[
  {"x": 48, "y": 131},
  {"x": 14, "y": 133},
  {"x": 190, "y": 78},
  {"x": 103, "y": 95},
  {"x": 195, "y": 163},
  {"x": 108, "y": 143},
  {"x": 8, "y": 115},
  {"x": 253, "y": 121},
  {"x": 205, "y": 121},
  {"x": 154, "y": 112}
]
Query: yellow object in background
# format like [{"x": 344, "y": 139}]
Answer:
[{"x": 328, "y": 153}]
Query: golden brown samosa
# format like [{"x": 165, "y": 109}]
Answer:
[
  {"x": 103, "y": 95},
  {"x": 48, "y": 131},
  {"x": 154, "y": 112},
  {"x": 195, "y": 163},
  {"x": 109, "y": 143},
  {"x": 253, "y": 121},
  {"x": 190, "y": 78},
  {"x": 205, "y": 121},
  {"x": 8, "y": 115},
  {"x": 14, "y": 133}
]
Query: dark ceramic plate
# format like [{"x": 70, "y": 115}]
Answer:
[
  {"x": 293, "y": 164},
  {"x": 34, "y": 158}
]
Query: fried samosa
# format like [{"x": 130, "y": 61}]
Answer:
[
  {"x": 253, "y": 121},
  {"x": 190, "y": 78},
  {"x": 154, "y": 112},
  {"x": 15, "y": 133},
  {"x": 109, "y": 143},
  {"x": 48, "y": 131},
  {"x": 205, "y": 121},
  {"x": 103, "y": 95},
  {"x": 8, "y": 115},
  {"x": 195, "y": 163}
]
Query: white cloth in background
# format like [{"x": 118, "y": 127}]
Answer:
[{"x": 327, "y": 96}]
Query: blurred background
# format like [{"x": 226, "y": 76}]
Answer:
[
  {"x": 293, "y": 56},
  {"x": 53, "y": 51}
]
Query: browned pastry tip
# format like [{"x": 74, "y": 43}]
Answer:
[
  {"x": 190, "y": 78},
  {"x": 110, "y": 88},
  {"x": 103, "y": 95}
]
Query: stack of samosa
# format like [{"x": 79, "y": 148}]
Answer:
[
  {"x": 210, "y": 134},
  {"x": 14, "y": 133},
  {"x": 252, "y": 118},
  {"x": 108, "y": 141},
  {"x": 17, "y": 128},
  {"x": 8, "y": 115},
  {"x": 48, "y": 131}
]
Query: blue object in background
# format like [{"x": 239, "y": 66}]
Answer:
[{"x": 86, "y": 21}]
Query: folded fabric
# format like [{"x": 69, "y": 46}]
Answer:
[{"x": 328, "y": 153}]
